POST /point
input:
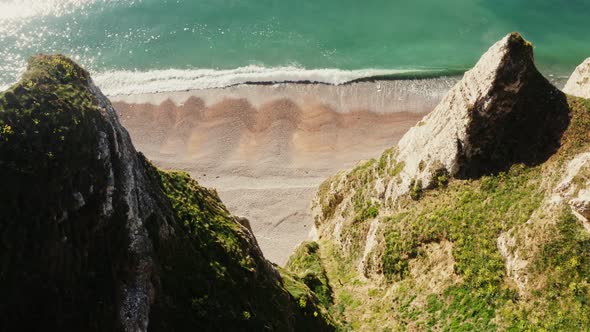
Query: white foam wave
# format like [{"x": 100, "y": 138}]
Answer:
[{"x": 136, "y": 82}]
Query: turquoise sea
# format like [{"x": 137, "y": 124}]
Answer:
[{"x": 154, "y": 45}]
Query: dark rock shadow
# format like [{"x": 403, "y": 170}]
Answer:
[{"x": 525, "y": 127}]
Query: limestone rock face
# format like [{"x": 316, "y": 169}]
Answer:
[
  {"x": 581, "y": 203},
  {"x": 574, "y": 188},
  {"x": 503, "y": 111},
  {"x": 579, "y": 83},
  {"x": 95, "y": 238}
]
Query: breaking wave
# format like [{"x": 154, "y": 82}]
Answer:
[{"x": 137, "y": 82}]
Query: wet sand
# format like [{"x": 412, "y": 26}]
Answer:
[{"x": 266, "y": 148}]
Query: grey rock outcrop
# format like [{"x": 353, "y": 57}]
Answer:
[
  {"x": 579, "y": 83},
  {"x": 503, "y": 111},
  {"x": 574, "y": 188}
]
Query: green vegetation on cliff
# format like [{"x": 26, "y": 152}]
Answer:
[
  {"x": 564, "y": 262},
  {"x": 234, "y": 288},
  {"x": 306, "y": 264},
  {"x": 484, "y": 254},
  {"x": 46, "y": 124},
  {"x": 471, "y": 215},
  {"x": 48, "y": 137},
  {"x": 93, "y": 237}
]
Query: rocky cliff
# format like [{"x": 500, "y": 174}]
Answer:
[
  {"x": 95, "y": 238},
  {"x": 502, "y": 112},
  {"x": 579, "y": 83},
  {"x": 476, "y": 220},
  {"x": 470, "y": 222}
]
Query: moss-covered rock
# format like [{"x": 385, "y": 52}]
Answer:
[
  {"x": 306, "y": 264},
  {"x": 95, "y": 238}
]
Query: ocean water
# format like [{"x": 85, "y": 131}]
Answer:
[{"x": 134, "y": 46}]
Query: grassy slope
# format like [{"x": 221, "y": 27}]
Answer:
[
  {"x": 470, "y": 215},
  {"x": 231, "y": 285},
  {"x": 306, "y": 265}
]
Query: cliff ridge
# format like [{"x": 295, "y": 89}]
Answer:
[{"x": 94, "y": 237}]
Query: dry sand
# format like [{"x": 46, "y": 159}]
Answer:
[{"x": 266, "y": 148}]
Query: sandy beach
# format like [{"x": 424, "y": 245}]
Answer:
[{"x": 266, "y": 148}]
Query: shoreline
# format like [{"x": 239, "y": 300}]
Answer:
[
  {"x": 393, "y": 75},
  {"x": 375, "y": 96},
  {"x": 558, "y": 81},
  {"x": 266, "y": 148},
  {"x": 126, "y": 82}
]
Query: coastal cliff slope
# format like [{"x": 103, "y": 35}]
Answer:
[
  {"x": 579, "y": 82},
  {"x": 476, "y": 220},
  {"x": 95, "y": 238}
]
